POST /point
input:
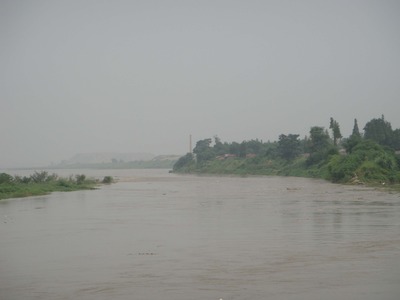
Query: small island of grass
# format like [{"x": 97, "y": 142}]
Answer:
[{"x": 42, "y": 183}]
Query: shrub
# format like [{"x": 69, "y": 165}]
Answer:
[
  {"x": 108, "y": 179},
  {"x": 39, "y": 177},
  {"x": 342, "y": 168},
  {"x": 80, "y": 178},
  {"x": 19, "y": 179},
  {"x": 5, "y": 178},
  {"x": 184, "y": 161},
  {"x": 64, "y": 183},
  {"x": 370, "y": 171}
]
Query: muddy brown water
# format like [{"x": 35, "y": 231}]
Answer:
[{"x": 155, "y": 235}]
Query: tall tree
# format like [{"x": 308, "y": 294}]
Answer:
[
  {"x": 234, "y": 148},
  {"x": 219, "y": 147},
  {"x": 203, "y": 150},
  {"x": 289, "y": 146},
  {"x": 319, "y": 139},
  {"x": 354, "y": 139},
  {"x": 319, "y": 145},
  {"x": 334, "y": 125},
  {"x": 396, "y": 139},
  {"x": 379, "y": 131},
  {"x": 356, "y": 131},
  {"x": 243, "y": 149}
]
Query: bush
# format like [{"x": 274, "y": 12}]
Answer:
[
  {"x": 39, "y": 177},
  {"x": 108, "y": 179},
  {"x": 342, "y": 168},
  {"x": 19, "y": 179},
  {"x": 370, "y": 171},
  {"x": 6, "y": 178},
  {"x": 183, "y": 162},
  {"x": 64, "y": 183},
  {"x": 80, "y": 178}
]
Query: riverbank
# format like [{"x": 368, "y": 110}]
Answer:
[
  {"x": 336, "y": 169},
  {"x": 42, "y": 183}
]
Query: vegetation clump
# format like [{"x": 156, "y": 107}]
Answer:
[
  {"x": 369, "y": 158},
  {"x": 108, "y": 180},
  {"x": 41, "y": 183}
]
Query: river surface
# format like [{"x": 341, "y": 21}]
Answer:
[{"x": 154, "y": 235}]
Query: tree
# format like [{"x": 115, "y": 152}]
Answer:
[
  {"x": 219, "y": 147},
  {"x": 319, "y": 139},
  {"x": 368, "y": 161},
  {"x": 234, "y": 148},
  {"x": 356, "y": 131},
  {"x": 203, "y": 151},
  {"x": 354, "y": 139},
  {"x": 320, "y": 145},
  {"x": 183, "y": 161},
  {"x": 396, "y": 139},
  {"x": 5, "y": 178},
  {"x": 255, "y": 146},
  {"x": 243, "y": 149},
  {"x": 334, "y": 125},
  {"x": 289, "y": 146},
  {"x": 379, "y": 131}
]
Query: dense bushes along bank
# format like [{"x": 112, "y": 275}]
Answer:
[
  {"x": 42, "y": 183},
  {"x": 368, "y": 158}
]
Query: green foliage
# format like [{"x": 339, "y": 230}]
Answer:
[
  {"x": 39, "y": 177},
  {"x": 203, "y": 151},
  {"x": 334, "y": 125},
  {"x": 343, "y": 168},
  {"x": 108, "y": 180},
  {"x": 356, "y": 131},
  {"x": 219, "y": 147},
  {"x": 5, "y": 178},
  {"x": 367, "y": 162},
  {"x": 41, "y": 183},
  {"x": 80, "y": 179},
  {"x": 320, "y": 146},
  {"x": 289, "y": 146},
  {"x": 351, "y": 142},
  {"x": 396, "y": 139},
  {"x": 19, "y": 179},
  {"x": 254, "y": 147},
  {"x": 319, "y": 139},
  {"x": 380, "y": 131},
  {"x": 364, "y": 161},
  {"x": 186, "y": 161}
]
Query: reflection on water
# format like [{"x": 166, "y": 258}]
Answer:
[{"x": 155, "y": 235}]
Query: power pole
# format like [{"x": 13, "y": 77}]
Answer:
[{"x": 190, "y": 144}]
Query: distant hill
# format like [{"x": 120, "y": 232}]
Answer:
[
  {"x": 118, "y": 161},
  {"x": 106, "y": 157}
]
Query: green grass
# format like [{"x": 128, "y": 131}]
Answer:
[
  {"x": 41, "y": 183},
  {"x": 378, "y": 171}
]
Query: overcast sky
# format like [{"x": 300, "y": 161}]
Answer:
[{"x": 141, "y": 76}]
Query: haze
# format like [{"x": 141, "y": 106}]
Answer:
[{"x": 141, "y": 76}]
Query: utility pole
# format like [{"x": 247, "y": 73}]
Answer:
[{"x": 190, "y": 144}]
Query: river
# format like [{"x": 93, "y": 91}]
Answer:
[{"x": 154, "y": 235}]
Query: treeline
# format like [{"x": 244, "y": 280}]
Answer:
[
  {"x": 363, "y": 157},
  {"x": 41, "y": 183}
]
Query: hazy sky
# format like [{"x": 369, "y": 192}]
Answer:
[{"x": 141, "y": 76}]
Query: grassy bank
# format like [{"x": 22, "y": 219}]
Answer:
[
  {"x": 368, "y": 164},
  {"x": 42, "y": 183},
  {"x": 256, "y": 166}
]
